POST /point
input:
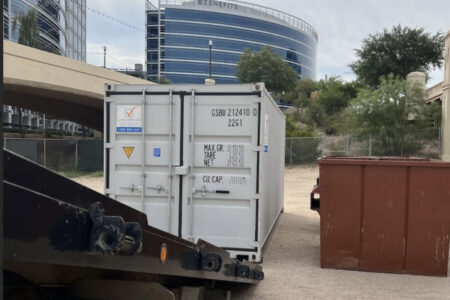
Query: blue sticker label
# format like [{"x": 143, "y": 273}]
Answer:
[
  {"x": 129, "y": 129},
  {"x": 266, "y": 148},
  {"x": 156, "y": 152}
]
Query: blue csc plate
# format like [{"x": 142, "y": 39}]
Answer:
[{"x": 129, "y": 129}]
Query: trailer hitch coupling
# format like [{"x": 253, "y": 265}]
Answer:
[{"x": 111, "y": 235}]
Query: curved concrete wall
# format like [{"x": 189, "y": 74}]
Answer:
[{"x": 57, "y": 85}]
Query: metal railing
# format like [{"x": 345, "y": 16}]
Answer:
[
  {"x": 62, "y": 155},
  {"x": 261, "y": 11},
  {"x": 306, "y": 150}
]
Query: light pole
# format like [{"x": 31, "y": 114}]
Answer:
[
  {"x": 210, "y": 59},
  {"x": 104, "y": 56}
]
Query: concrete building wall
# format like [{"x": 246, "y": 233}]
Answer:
[{"x": 56, "y": 85}]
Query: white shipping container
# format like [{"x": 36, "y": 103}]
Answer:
[{"x": 202, "y": 161}]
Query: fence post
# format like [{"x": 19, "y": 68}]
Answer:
[
  {"x": 370, "y": 145},
  {"x": 321, "y": 145},
  {"x": 45, "y": 152},
  {"x": 290, "y": 156},
  {"x": 348, "y": 141},
  {"x": 76, "y": 155},
  {"x": 440, "y": 142}
]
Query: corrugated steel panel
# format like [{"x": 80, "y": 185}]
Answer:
[
  {"x": 212, "y": 163},
  {"x": 385, "y": 214}
]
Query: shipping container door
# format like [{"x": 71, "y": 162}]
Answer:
[
  {"x": 220, "y": 204},
  {"x": 144, "y": 153}
]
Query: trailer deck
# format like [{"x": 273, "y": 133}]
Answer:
[{"x": 59, "y": 233}]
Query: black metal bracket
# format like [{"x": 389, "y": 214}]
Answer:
[
  {"x": 315, "y": 202},
  {"x": 112, "y": 235},
  {"x": 202, "y": 260},
  {"x": 211, "y": 262},
  {"x": 243, "y": 271}
]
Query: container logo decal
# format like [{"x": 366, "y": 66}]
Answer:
[
  {"x": 128, "y": 151},
  {"x": 156, "y": 152},
  {"x": 129, "y": 118}
]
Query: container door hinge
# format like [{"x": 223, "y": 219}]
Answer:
[
  {"x": 181, "y": 170},
  {"x": 255, "y": 244},
  {"x": 109, "y": 145},
  {"x": 256, "y": 148}
]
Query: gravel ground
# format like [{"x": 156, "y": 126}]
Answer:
[{"x": 291, "y": 261}]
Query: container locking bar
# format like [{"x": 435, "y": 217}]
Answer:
[
  {"x": 159, "y": 188},
  {"x": 133, "y": 188},
  {"x": 204, "y": 191}
]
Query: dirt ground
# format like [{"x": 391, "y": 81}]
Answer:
[{"x": 291, "y": 259}]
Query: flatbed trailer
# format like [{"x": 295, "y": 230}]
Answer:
[{"x": 65, "y": 241}]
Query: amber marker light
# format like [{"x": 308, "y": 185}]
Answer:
[{"x": 163, "y": 253}]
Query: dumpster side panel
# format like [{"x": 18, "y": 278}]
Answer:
[
  {"x": 429, "y": 218},
  {"x": 383, "y": 225},
  {"x": 340, "y": 215},
  {"x": 385, "y": 214}
]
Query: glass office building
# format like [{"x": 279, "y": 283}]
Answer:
[
  {"x": 178, "y": 33},
  {"x": 62, "y": 24},
  {"x": 62, "y": 30}
]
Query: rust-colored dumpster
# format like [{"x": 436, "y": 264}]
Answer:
[{"x": 384, "y": 214}]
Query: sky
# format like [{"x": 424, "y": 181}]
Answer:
[{"x": 341, "y": 26}]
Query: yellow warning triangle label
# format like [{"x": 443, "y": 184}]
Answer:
[{"x": 128, "y": 151}]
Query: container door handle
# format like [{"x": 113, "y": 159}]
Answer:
[
  {"x": 159, "y": 188},
  {"x": 204, "y": 191},
  {"x": 133, "y": 188}
]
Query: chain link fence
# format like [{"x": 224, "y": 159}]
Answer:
[
  {"x": 306, "y": 150},
  {"x": 70, "y": 156},
  {"x": 77, "y": 156}
]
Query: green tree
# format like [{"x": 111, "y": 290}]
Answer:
[
  {"x": 268, "y": 67},
  {"x": 300, "y": 95},
  {"x": 292, "y": 129},
  {"x": 315, "y": 115},
  {"x": 301, "y": 150},
  {"x": 333, "y": 97},
  {"x": 395, "y": 115},
  {"x": 399, "y": 52}
]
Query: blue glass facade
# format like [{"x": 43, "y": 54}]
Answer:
[
  {"x": 62, "y": 24},
  {"x": 178, "y": 36}
]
